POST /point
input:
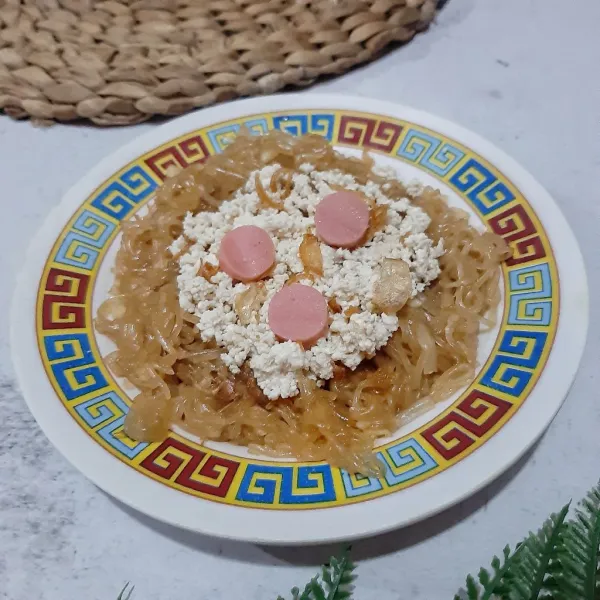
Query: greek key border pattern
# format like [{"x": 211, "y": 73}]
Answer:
[{"x": 75, "y": 368}]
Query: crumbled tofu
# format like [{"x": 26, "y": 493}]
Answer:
[
  {"x": 178, "y": 246},
  {"x": 348, "y": 278}
]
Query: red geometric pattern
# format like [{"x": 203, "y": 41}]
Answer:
[
  {"x": 517, "y": 229},
  {"x": 219, "y": 470},
  {"x": 368, "y": 133},
  {"x": 468, "y": 426},
  {"x": 184, "y": 153},
  {"x": 527, "y": 251},
  {"x": 63, "y": 306}
]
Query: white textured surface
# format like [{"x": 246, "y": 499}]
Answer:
[{"x": 519, "y": 72}]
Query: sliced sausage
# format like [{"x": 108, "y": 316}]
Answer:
[
  {"x": 298, "y": 313},
  {"x": 246, "y": 253},
  {"x": 342, "y": 219}
]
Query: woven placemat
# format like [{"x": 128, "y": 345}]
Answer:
[{"x": 118, "y": 63}]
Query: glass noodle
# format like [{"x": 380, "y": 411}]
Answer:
[{"x": 183, "y": 381}]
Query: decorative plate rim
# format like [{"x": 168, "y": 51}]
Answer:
[
  {"x": 339, "y": 521},
  {"x": 72, "y": 271}
]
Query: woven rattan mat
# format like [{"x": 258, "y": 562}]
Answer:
[{"x": 117, "y": 63}]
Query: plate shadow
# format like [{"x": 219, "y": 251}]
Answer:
[{"x": 315, "y": 555}]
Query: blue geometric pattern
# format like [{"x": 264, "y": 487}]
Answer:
[
  {"x": 298, "y": 124},
  {"x": 529, "y": 286},
  {"x": 222, "y": 136},
  {"x": 89, "y": 233},
  {"x": 72, "y": 362},
  {"x": 109, "y": 434},
  {"x": 409, "y": 459},
  {"x": 481, "y": 187},
  {"x": 118, "y": 198},
  {"x": 101, "y": 409},
  {"x": 429, "y": 152},
  {"x": 511, "y": 369},
  {"x": 359, "y": 485},
  {"x": 267, "y": 484}
]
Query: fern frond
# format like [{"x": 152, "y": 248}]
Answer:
[
  {"x": 527, "y": 573},
  {"x": 333, "y": 583},
  {"x": 579, "y": 577},
  {"x": 313, "y": 591},
  {"x": 126, "y": 592},
  {"x": 338, "y": 577},
  {"x": 488, "y": 585},
  {"x": 530, "y": 574}
]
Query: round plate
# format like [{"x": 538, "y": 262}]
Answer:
[{"x": 526, "y": 364}]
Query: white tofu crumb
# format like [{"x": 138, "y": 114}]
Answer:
[
  {"x": 414, "y": 187},
  {"x": 384, "y": 171},
  {"x": 177, "y": 247},
  {"x": 348, "y": 278}
]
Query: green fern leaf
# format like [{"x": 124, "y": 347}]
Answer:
[
  {"x": 489, "y": 585},
  {"x": 126, "y": 592},
  {"x": 472, "y": 588},
  {"x": 305, "y": 594},
  {"x": 484, "y": 576},
  {"x": 334, "y": 583},
  {"x": 327, "y": 575},
  {"x": 339, "y": 578},
  {"x": 579, "y": 577},
  {"x": 316, "y": 590},
  {"x": 525, "y": 574},
  {"x": 527, "y": 577}
]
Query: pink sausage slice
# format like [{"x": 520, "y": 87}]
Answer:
[
  {"x": 342, "y": 219},
  {"x": 246, "y": 253},
  {"x": 298, "y": 313}
]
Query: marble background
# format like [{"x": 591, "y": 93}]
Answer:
[{"x": 523, "y": 73}]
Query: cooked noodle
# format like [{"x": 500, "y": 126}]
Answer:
[{"x": 183, "y": 381}]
